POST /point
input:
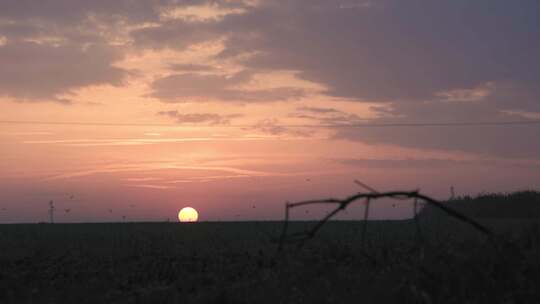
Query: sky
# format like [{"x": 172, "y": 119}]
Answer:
[{"x": 129, "y": 110}]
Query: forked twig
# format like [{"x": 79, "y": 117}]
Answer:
[
  {"x": 359, "y": 183},
  {"x": 420, "y": 237},
  {"x": 366, "y": 217},
  {"x": 366, "y": 210},
  {"x": 373, "y": 195}
]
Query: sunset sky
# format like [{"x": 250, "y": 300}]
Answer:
[{"x": 132, "y": 109}]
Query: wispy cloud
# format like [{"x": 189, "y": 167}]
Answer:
[
  {"x": 150, "y": 186},
  {"x": 435, "y": 163},
  {"x": 198, "y": 118},
  {"x": 193, "y": 86},
  {"x": 29, "y": 133},
  {"x": 274, "y": 128},
  {"x": 327, "y": 116},
  {"x": 190, "y": 67},
  {"x": 154, "y": 166},
  {"x": 143, "y": 179},
  {"x": 140, "y": 141}
]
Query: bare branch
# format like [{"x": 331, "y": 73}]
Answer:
[{"x": 373, "y": 195}]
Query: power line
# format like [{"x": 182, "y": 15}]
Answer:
[
  {"x": 72, "y": 123},
  {"x": 344, "y": 125},
  {"x": 445, "y": 124}
]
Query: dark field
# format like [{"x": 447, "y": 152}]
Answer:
[{"x": 237, "y": 263}]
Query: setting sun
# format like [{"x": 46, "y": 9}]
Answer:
[{"x": 188, "y": 214}]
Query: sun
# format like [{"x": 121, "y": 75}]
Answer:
[{"x": 188, "y": 214}]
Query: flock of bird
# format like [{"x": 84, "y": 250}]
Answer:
[
  {"x": 72, "y": 198},
  {"x": 68, "y": 210}
]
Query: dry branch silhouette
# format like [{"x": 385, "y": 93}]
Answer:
[{"x": 368, "y": 197}]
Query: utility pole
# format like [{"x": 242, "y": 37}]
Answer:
[
  {"x": 452, "y": 193},
  {"x": 51, "y": 211}
]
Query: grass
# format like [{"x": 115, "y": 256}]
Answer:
[{"x": 237, "y": 263}]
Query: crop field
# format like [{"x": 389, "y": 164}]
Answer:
[{"x": 238, "y": 262}]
